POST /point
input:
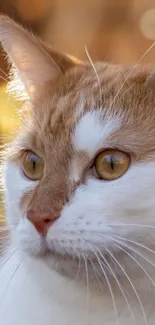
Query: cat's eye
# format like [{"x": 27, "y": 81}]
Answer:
[
  {"x": 32, "y": 166},
  {"x": 111, "y": 164}
]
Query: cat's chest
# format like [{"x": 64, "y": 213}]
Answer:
[
  {"x": 58, "y": 301},
  {"x": 30, "y": 308},
  {"x": 24, "y": 302}
]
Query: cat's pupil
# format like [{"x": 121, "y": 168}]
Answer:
[
  {"x": 34, "y": 165},
  {"x": 112, "y": 163}
]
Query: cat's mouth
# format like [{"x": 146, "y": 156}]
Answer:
[
  {"x": 61, "y": 253},
  {"x": 77, "y": 265},
  {"x": 73, "y": 261}
]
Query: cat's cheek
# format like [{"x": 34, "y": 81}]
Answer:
[
  {"x": 16, "y": 185},
  {"x": 27, "y": 238}
]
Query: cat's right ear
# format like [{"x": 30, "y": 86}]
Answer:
[{"x": 33, "y": 64}]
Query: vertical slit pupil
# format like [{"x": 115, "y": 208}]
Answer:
[
  {"x": 34, "y": 165},
  {"x": 112, "y": 163}
]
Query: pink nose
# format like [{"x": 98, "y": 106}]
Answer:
[{"x": 42, "y": 220}]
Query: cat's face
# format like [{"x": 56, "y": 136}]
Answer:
[{"x": 80, "y": 176}]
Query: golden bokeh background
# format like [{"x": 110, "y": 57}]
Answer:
[{"x": 112, "y": 30}]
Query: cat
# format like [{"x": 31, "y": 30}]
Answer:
[{"x": 79, "y": 190}]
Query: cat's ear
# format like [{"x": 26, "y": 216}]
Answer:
[{"x": 33, "y": 64}]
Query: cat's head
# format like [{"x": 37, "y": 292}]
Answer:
[{"x": 80, "y": 175}]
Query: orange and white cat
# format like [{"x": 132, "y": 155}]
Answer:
[{"x": 79, "y": 184}]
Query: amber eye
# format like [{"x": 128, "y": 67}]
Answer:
[
  {"x": 111, "y": 164},
  {"x": 32, "y": 166}
]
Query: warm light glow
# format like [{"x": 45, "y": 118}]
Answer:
[{"x": 147, "y": 24}]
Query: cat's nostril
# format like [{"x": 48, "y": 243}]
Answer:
[
  {"x": 42, "y": 220},
  {"x": 47, "y": 220}
]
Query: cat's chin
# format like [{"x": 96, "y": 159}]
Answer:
[
  {"x": 73, "y": 266},
  {"x": 65, "y": 264},
  {"x": 70, "y": 261}
]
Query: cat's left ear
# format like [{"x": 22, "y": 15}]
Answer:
[{"x": 33, "y": 63}]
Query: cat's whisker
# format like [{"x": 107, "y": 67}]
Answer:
[
  {"x": 4, "y": 244},
  {"x": 11, "y": 103},
  {"x": 82, "y": 239},
  {"x": 130, "y": 73},
  {"x": 8, "y": 257},
  {"x": 134, "y": 250},
  {"x": 119, "y": 285},
  {"x": 3, "y": 222},
  {"x": 4, "y": 237},
  {"x": 136, "y": 243},
  {"x": 118, "y": 237},
  {"x": 5, "y": 274},
  {"x": 5, "y": 74},
  {"x": 96, "y": 74},
  {"x": 108, "y": 283},
  {"x": 87, "y": 281},
  {"x": 4, "y": 138},
  {"x": 130, "y": 281},
  {"x": 96, "y": 273},
  {"x": 10, "y": 280},
  {"x": 127, "y": 253},
  {"x": 74, "y": 260},
  {"x": 130, "y": 225},
  {"x": 2, "y": 251},
  {"x": 4, "y": 229},
  {"x": 79, "y": 256},
  {"x": 3, "y": 248},
  {"x": 3, "y": 240},
  {"x": 3, "y": 78},
  {"x": 129, "y": 88},
  {"x": 79, "y": 267}
]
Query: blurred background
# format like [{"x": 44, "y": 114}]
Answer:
[{"x": 113, "y": 30}]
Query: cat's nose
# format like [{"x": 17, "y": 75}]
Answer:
[{"x": 42, "y": 220}]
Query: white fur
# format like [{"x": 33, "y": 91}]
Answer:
[
  {"x": 95, "y": 207},
  {"x": 92, "y": 132},
  {"x": 35, "y": 294},
  {"x": 15, "y": 192},
  {"x": 38, "y": 295}
]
